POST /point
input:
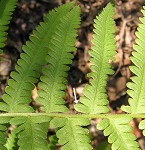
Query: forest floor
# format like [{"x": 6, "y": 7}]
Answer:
[{"x": 27, "y": 16}]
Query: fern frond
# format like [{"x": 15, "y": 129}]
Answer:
[
  {"x": 95, "y": 98},
  {"x": 6, "y": 9},
  {"x": 71, "y": 135},
  {"x": 19, "y": 88},
  {"x": 119, "y": 132},
  {"x": 3, "y": 128},
  {"x": 53, "y": 83},
  {"x": 32, "y": 132},
  {"x": 137, "y": 86}
]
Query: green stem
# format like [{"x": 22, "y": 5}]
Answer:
[{"x": 74, "y": 115}]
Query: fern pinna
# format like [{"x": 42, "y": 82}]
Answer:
[
  {"x": 46, "y": 56},
  {"x": 136, "y": 89},
  {"x": 6, "y": 9},
  {"x": 53, "y": 81}
]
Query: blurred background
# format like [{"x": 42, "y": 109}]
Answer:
[{"x": 27, "y": 16}]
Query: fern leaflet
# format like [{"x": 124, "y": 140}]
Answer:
[
  {"x": 32, "y": 132},
  {"x": 142, "y": 126},
  {"x": 137, "y": 86},
  {"x": 3, "y": 128},
  {"x": 70, "y": 133},
  {"x": 95, "y": 99},
  {"x": 52, "y": 142},
  {"x": 119, "y": 132},
  {"x": 10, "y": 145},
  {"x": 6, "y": 9},
  {"x": 53, "y": 82}
]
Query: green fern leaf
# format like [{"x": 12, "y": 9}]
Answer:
[
  {"x": 54, "y": 80},
  {"x": 142, "y": 126},
  {"x": 137, "y": 86},
  {"x": 3, "y": 128},
  {"x": 6, "y": 8},
  {"x": 10, "y": 144},
  {"x": 2, "y": 137},
  {"x": 119, "y": 132},
  {"x": 95, "y": 98},
  {"x": 19, "y": 88},
  {"x": 71, "y": 135},
  {"x": 52, "y": 142},
  {"x": 32, "y": 132}
]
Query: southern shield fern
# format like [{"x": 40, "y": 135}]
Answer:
[{"x": 49, "y": 52}]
